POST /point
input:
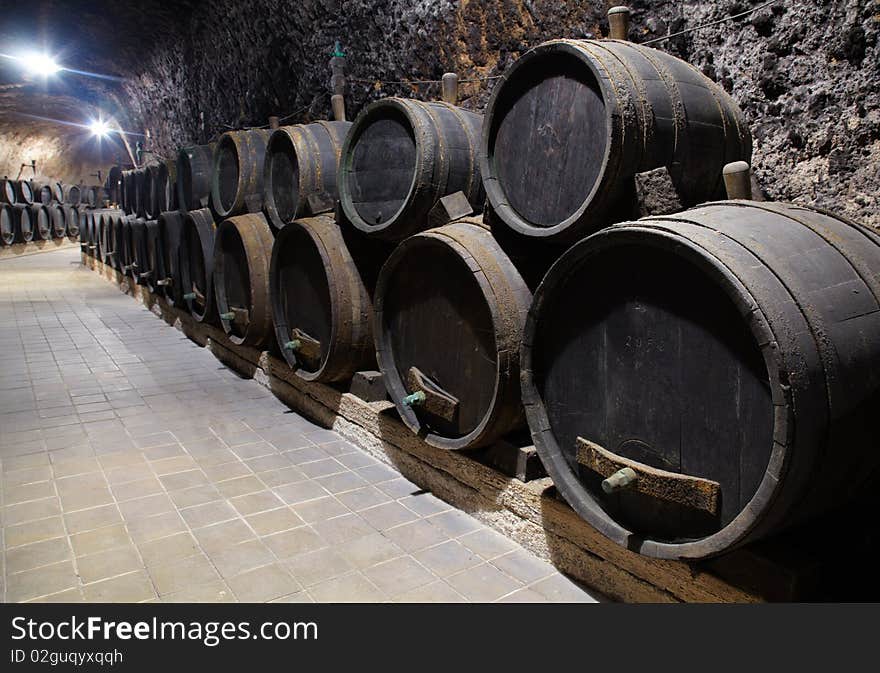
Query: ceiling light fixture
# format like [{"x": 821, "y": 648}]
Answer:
[
  {"x": 39, "y": 63},
  {"x": 99, "y": 128}
]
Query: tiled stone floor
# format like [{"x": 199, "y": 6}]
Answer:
[{"x": 135, "y": 467}]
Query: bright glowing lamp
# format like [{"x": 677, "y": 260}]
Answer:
[
  {"x": 99, "y": 128},
  {"x": 39, "y": 63}
]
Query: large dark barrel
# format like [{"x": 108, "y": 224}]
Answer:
[
  {"x": 120, "y": 255},
  {"x": 141, "y": 195},
  {"x": 194, "y": 165},
  {"x": 321, "y": 307},
  {"x": 71, "y": 220},
  {"x": 197, "y": 264},
  {"x": 7, "y": 224},
  {"x": 170, "y": 230},
  {"x": 24, "y": 224},
  {"x": 450, "y": 308},
  {"x": 299, "y": 176},
  {"x": 572, "y": 121},
  {"x": 7, "y": 191},
  {"x": 84, "y": 233},
  {"x": 104, "y": 221},
  {"x": 237, "y": 172},
  {"x": 40, "y": 221},
  {"x": 242, "y": 254},
  {"x": 57, "y": 219},
  {"x": 128, "y": 250},
  {"x": 95, "y": 196},
  {"x": 726, "y": 356},
  {"x": 128, "y": 192},
  {"x": 400, "y": 158},
  {"x": 72, "y": 194}
]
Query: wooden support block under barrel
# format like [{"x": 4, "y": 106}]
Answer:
[
  {"x": 369, "y": 386},
  {"x": 450, "y": 208},
  {"x": 513, "y": 460}
]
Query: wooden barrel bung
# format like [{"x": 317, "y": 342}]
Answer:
[
  {"x": 400, "y": 158},
  {"x": 237, "y": 172},
  {"x": 572, "y": 122},
  {"x": 242, "y": 254},
  {"x": 321, "y": 306},
  {"x": 692, "y": 383},
  {"x": 197, "y": 264},
  {"x": 449, "y": 311},
  {"x": 300, "y": 170}
]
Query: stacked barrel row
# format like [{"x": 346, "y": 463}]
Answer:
[
  {"x": 691, "y": 382},
  {"x": 37, "y": 212}
]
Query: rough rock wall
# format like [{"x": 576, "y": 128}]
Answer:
[
  {"x": 64, "y": 157},
  {"x": 806, "y": 72}
]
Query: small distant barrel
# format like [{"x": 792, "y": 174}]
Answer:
[
  {"x": 71, "y": 220},
  {"x": 449, "y": 313},
  {"x": 150, "y": 193},
  {"x": 24, "y": 192},
  {"x": 58, "y": 192},
  {"x": 95, "y": 196},
  {"x": 72, "y": 195},
  {"x": 194, "y": 165},
  {"x": 170, "y": 231},
  {"x": 23, "y": 222},
  {"x": 141, "y": 196},
  {"x": 703, "y": 380},
  {"x": 400, "y": 158},
  {"x": 7, "y": 192},
  {"x": 300, "y": 170},
  {"x": 138, "y": 250},
  {"x": 119, "y": 242},
  {"x": 113, "y": 186},
  {"x": 237, "y": 172},
  {"x": 197, "y": 264},
  {"x": 154, "y": 269},
  {"x": 572, "y": 122},
  {"x": 242, "y": 254},
  {"x": 166, "y": 187},
  {"x": 7, "y": 224},
  {"x": 57, "y": 219},
  {"x": 321, "y": 306},
  {"x": 128, "y": 200},
  {"x": 43, "y": 194},
  {"x": 40, "y": 221},
  {"x": 128, "y": 249}
]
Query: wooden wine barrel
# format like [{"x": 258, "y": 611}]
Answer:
[
  {"x": 40, "y": 221},
  {"x": 300, "y": 170},
  {"x": 43, "y": 194},
  {"x": 7, "y": 191},
  {"x": 58, "y": 192},
  {"x": 141, "y": 192},
  {"x": 128, "y": 192},
  {"x": 197, "y": 264},
  {"x": 166, "y": 186},
  {"x": 95, "y": 196},
  {"x": 24, "y": 224},
  {"x": 242, "y": 255},
  {"x": 194, "y": 165},
  {"x": 24, "y": 193},
  {"x": 83, "y": 229},
  {"x": 138, "y": 251},
  {"x": 151, "y": 189},
  {"x": 120, "y": 255},
  {"x": 113, "y": 186},
  {"x": 726, "y": 357},
  {"x": 104, "y": 220},
  {"x": 72, "y": 194},
  {"x": 57, "y": 219},
  {"x": 450, "y": 308},
  {"x": 155, "y": 270},
  {"x": 400, "y": 158},
  {"x": 71, "y": 220},
  {"x": 128, "y": 257},
  {"x": 320, "y": 305},
  {"x": 170, "y": 230},
  {"x": 7, "y": 224},
  {"x": 237, "y": 172},
  {"x": 572, "y": 121}
]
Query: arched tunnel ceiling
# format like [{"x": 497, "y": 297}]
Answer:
[{"x": 99, "y": 43}]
